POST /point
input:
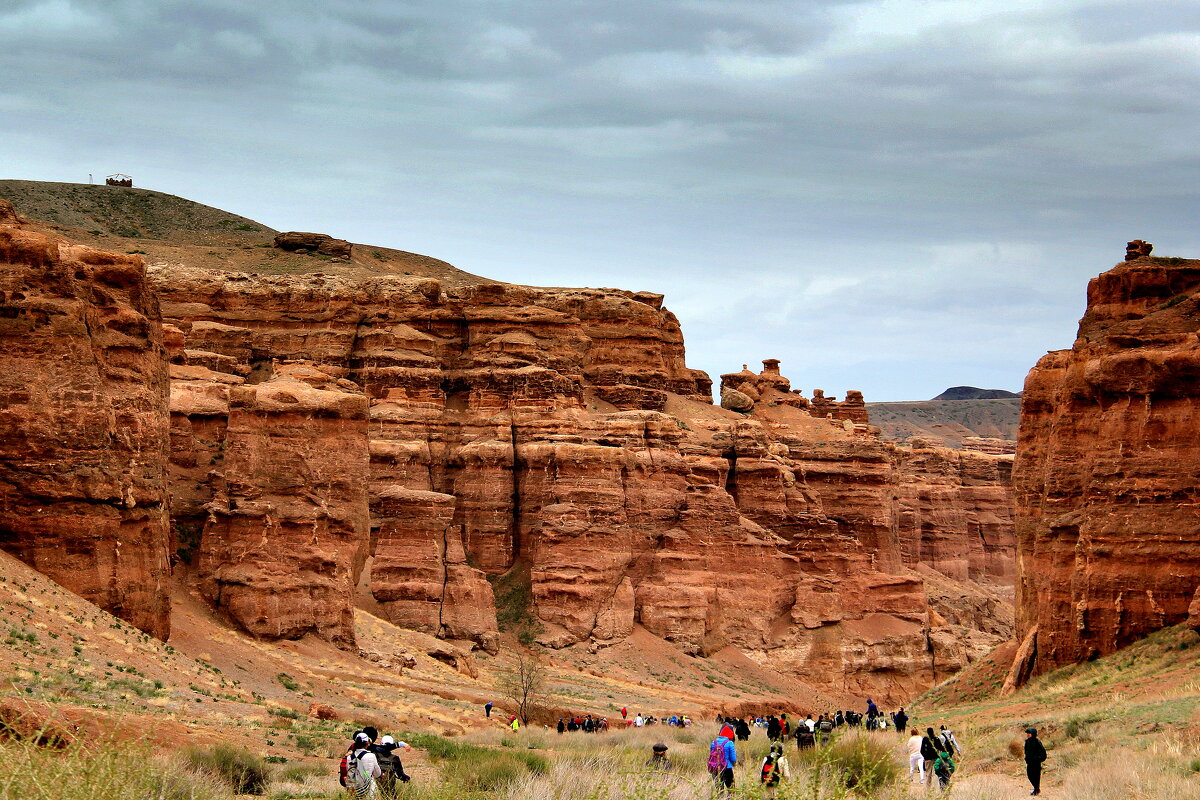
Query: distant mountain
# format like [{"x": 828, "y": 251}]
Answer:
[
  {"x": 949, "y": 420},
  {"x": 973, "y": 393}
]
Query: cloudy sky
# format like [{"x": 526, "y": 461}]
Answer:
[{"x": 892, "y": 195}]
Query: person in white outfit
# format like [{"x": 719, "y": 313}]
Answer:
[{"x": 915, "y": 759}]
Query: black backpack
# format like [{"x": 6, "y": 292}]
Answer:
[{"x": 928, "y": 750}]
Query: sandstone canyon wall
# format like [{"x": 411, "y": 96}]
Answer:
[
  {"x": 424, "y": 442},
  {"x": 1105, "y": 477},
  {"x": 83, "y": 434}
]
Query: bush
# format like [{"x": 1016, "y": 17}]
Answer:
[
  {"x": 860, "y": 762},
  {"x": 242, "y": 771},
  {"x": 98, "y": 771}
]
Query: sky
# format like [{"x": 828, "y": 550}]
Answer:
[{"x": 894, "y": 196}]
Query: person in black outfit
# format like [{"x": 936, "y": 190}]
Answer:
[
  {"x": 1035, "y": 754},
  {"x": 901, "y": 720},
  {"x": 772, "y": 728}
]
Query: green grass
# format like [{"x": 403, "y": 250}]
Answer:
[{"x": 242, "y": 771}]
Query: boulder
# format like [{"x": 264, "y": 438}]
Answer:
[{"x": 300, "y": 241}]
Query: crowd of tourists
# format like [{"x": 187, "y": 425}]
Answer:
[{"x": 371, "y": 767}]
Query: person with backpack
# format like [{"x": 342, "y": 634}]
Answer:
[
  {"x": 947, "y": 737},
  {"x": 772, "y": 728},
  {"x": 1035, "y": 756},
  {"x": 824, "y": 730},
  {"x": 943, "y": 768},
  {"x": 515, "y": 724},
  {"x": 805, "y": 738},
  {"x": 774, "y": 767},
  {"x": 722, "y": 758},
  {"x": 390, "y": 765},
  {"x": 360, "y": 768},
  {"x": 487, "y": 709},
  {"x": 930, "y": 747}
]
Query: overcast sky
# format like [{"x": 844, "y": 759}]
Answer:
[{"x": 892, "y": 196}]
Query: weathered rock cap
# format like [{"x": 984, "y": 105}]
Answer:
[
  {"x": 299, "y": 241},
  {"x": 1137, "y": 249}
]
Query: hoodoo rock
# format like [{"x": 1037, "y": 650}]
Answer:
[
  {"x": 1106, "y": 465},
  {"x": 1137, "y": 249},
  {"x": 83, "y": 425},
  {"x": 301, "y": 241}
]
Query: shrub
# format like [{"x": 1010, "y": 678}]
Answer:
[
  {"x": 287, "y": 681},
  {"x": 242, "y": 771},
  {"x": 98, "y": 771},
  {"x": 861, "y": 762}
]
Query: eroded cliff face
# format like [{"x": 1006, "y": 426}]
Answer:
[
  {"x": 421, "y": 444},
  {"x": 83, "y": 433},
  {"x": 558, "y": 434},
  {"x": 1105, "y": 475}
]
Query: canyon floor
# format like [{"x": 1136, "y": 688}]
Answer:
[{"x": 1122, "y": 726}]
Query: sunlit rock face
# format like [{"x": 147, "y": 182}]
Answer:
[
  {"x": 1105, "y": 475},
  {"x": 83, "y": 424}
]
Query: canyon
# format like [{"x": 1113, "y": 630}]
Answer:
[
  {"x": 1105, "y": 474},
  {"x": 448, "y": 452}
]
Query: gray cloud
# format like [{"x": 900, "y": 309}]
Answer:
[{"x": 891, "y": 195}]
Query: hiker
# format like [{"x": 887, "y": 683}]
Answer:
[
  {"x": 808, "y": 722},
  {"x": 943, "y": 767},
  {"x": 930, "y": 747},
  {"x": 916, "y": 758},
  {"x": 1035, "y": 754},
  {"x": 872, "y": 709},
  {"x": 947, "y": 737},
  {"x": 362, "y": 768},
  {"x": 722, "y": 757},
  {"x": 658, "y": 758},
  {"x": 638, "y": 722},
  {"x": 391, "y": 768},
  {"x": 562, "y": 726},
  {"x": 772, "y": 728},
  {"x": 824, "y": 730},
  {"x": 515, "y": 724},
  {"x": 805, "y": 738},
  {"x": 624, "y": 712},
  {"x": 487, "y": 709},
  {"x": 901, "y": 720},
  {"x": 774, "y": 767},
  {"x": 785, "y": 728}
]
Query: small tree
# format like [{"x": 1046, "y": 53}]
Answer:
[{"x": 524, "y": 684}]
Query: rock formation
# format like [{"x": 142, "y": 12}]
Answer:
[
  {"x": 83, "y": 433},
  {"x": 1105, "y": 475},
  {"x": 303, "y": 242},
  {"x": 403, "y": 443},
  {"x": 1137, "y": 249}
]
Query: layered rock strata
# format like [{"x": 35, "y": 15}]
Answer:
[
  {"x": 1105, "y": 475},
  {"x": 83, "y": 426}
]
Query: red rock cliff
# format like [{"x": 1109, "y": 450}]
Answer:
[
  {"x": 83, "y": 433},
  {"x": 1105, "y": 475}
]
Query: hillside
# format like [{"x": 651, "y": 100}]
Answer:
[
  {"x": 170, "y": 230},
  {"x": 67, "y": 661},
  {"x": 1140, "y": 702},
  {"x": 950, "y": 420}
]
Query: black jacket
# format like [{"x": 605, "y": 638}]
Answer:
[{"x": 1035, "y": 751}]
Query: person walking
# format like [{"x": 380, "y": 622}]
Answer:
[
  {"x": 947, "y": 737},
  {"x": 916, "y": 761},
  {"x": 943, "y": 768},
  {"x": 658, "y": 758},
  {"x": 901, "y": 720},
  {"x": 1035, "y": 755},
  {"x": 824, "y": 730},
  {"x": 930, "y": 748},
  {"x": 487, "y": 709},
  {"x": 722, "y": 758},
  {"x": 362, "y": 768},
  {"x": 774, "y": 767},
  {"x": 515, "y": 724}
]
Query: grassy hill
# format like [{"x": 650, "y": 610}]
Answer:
[
  {"x": 1125, "y": 726},
  {"x": 169, "y": 229},
  {"x": 951, "y": 420}
]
